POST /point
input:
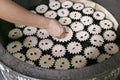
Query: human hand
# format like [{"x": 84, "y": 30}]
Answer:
[{"x": 55, "y": 29}]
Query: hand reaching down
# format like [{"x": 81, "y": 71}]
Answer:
[{"x": 55, "y": 29}]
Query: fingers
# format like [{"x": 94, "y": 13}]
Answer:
[
  {"x": 56, "y": 29},
  {"x": 63, "y": 33}
]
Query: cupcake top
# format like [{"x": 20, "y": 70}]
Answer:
[
  {"x": 75, "y": 15},
  {"x": 30, "y": 62},
  {"x": 91, "y": 52},
  {"x": 14, "y": 47},
  {"x": 50, "y": 14},
  {"x": 54, "y": 5},
  {"x": 65, "y": 21},
  {"x": 29, "y": 30},
  {"x": 41, "y": 8},
  {"x": 45, "y": 44},
  {"x": 82, "y": 35},
  {"x": 19, "y": 56},
  {"x": 78, "y": 61},
  {"x": 67, "y": 4},
  {"x": 109, "y": 35},
  {"x": 30, "y": 41},
  {"x": 88, "y": 10},
  {"x": 46, "y": 61},
  {"x": 15, "y": 34},
  {"x": 42, "y": 33},
  {"x": 74, "y": 47},
  {"x": 63, "y": 12},
  {"x": 33, "y": 54},
  {"x": 103, "y": 57},
  {"x": 58, "y": 50},
  {"x": 94, "y": 29},
  {"x": 62, "y": 64},
  {"x": 97, "y": 40},
  {"x": 106, "y": 24},
  {"x": 78, "y": 6},
  {"x": 77, "y": 26},
  {"x": 86, "y": 20},
  {"x": 98, "y": 15},
  {"x": 111, "y": 48},
  {"x": 19, "y": 26}
]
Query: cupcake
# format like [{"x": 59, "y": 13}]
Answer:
[
  {"x": 94, "y": 29},
  {"x": 50, "y": 14},
  {"x": 33, "y": 54},
  {"x": 29, "y": 30},
  {"x": 30, "y": 62},
  {"x": 63, "y": 12},
  {"x": 58, "y": 50},
  {"x": 54, "y": 5},
  {"x": 19, "y": 56},
  {"x": 15, "y": 34},
  {"x": 62, "y": 64},
  {"x": 65, "y": 21},
  {"x": 78, "y": 61},
  {"x": 82, "y": 35},
  {"x": 77, "y": 26},
  {"x": 91, "y": 52},
  {"x": 19, "y": 26},
  {"x": 14, "y": 46},
  {"x": 74, "y": 47},
  {"x": 67, "y": 4},
  {"x": 106, "y": 24},
  {"x": 45, "y": 44},
  {"x": 88, "y": 11},
  {"x": 111, "y": 48},
  {"x": 75, "y": 15},
  {"x": 46, "y": 61},
  {"x": 41, "y": 9},
  {"x": 78, "y": 6},
  {"x": 30, "y": 41},
  {"x": 86, "y": 20},
  {"x": 98, "y": 15},
  {"x": 109, "y": 35},
  {"x": 42, "y": 33},
  {"x": 97, "y": 40},
  {"x": 103, "y": 57}
]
